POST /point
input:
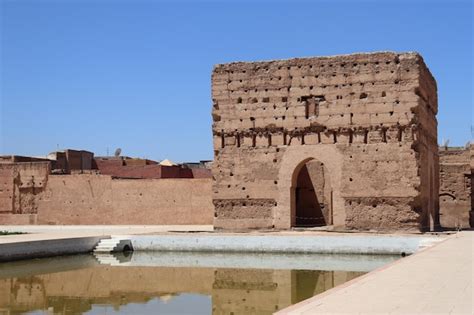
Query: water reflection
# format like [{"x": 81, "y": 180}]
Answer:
[{"x": 80, "y": 284}]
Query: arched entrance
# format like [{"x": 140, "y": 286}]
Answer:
[
  {"x": 291, "y": 164},
  {"x": 311, "y": 195}
]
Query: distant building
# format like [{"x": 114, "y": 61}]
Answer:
[
  {"x": 21, "y": 159},
  {"x": 133, "y": 168},
  {"x": 69, "y": 160}
]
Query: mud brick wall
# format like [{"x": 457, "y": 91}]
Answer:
[
  {"x": 369, "y": 118},
  {"x": 29, "y": 195},
  {"x": 99, "y": 199},
  {"x": 22, "y": 186},
  {"x": 455, "y": 188}
]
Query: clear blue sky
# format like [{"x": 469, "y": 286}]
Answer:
[{"x": 136, "y": 74}]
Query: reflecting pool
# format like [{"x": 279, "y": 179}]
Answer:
[{"x": 173, "y": 283}]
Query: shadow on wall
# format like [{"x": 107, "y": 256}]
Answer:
[{"x": 313, "y": 195}]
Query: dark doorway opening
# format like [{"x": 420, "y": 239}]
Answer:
[{"x": 313, "y": 196}]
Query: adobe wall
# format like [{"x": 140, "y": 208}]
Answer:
[
  {"x": 39, "y": 198},
  {"x": 455, "y": 188},
  {"x": 21, "y": 186},
  {"x": 369, "y": 118},
  {"x": 98, "y": 199}
]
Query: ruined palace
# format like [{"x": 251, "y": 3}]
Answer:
[
  {"x": 347, "y": 141},
  {"x": 456, "y": 169}
]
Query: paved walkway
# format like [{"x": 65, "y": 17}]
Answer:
[
  {"x": 437, "y": 280},
  {"x": 105, "y": 229}
]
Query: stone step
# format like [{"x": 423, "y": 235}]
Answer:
[{"x": 114, "y": 244}]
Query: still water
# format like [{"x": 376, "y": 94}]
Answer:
[{"x": 173, "y": 283}]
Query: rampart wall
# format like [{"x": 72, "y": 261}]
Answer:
[{"x": 29, "y": 195}]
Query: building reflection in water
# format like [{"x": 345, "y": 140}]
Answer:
[{"x": 89, "y": 284}]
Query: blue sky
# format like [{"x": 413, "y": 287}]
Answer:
[{"x": 136, "y": 74}]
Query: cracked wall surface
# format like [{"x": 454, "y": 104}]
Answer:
[
  {"x": 455, "y": 194},
  {"x": 22, "y": 187},
  {"x": 369, "y": 118}
]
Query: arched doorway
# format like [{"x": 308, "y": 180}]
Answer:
[{"x": 311, "y": 195}]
